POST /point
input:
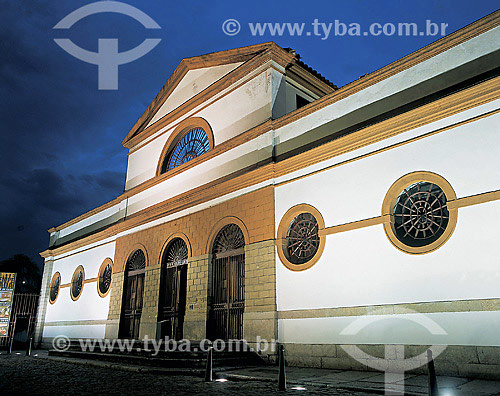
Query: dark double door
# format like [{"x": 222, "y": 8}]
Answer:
[
  {"x": 228, "y": 296},
  {"x": 172, "y": 307},
  {"x": 132, "y": 305}
]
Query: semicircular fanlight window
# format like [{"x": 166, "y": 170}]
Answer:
[
  {"x": 136, "y": 261},
  {"x": 192, "y": 145},
  {"x": 177, "y": 253},
  {"x": 228, "y": 239}
]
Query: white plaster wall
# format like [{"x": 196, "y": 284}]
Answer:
[
  {"x": 361, "y": 267},
  {"x": 238, "y": 158},
  {"x": 234, "y": 113},
  {"x": 476, "y": 47},
  {"x": 465, "y": 156},
  {"x": 77, "y": 331},
  {"x": 102, "y": 215},
  {"x": 193, "y": 83},
  {"x": 90, "y": 306},
  {"x": 446, "y": 328}
]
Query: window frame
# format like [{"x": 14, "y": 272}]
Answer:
[
  {"x": 73, "y": 279},
  {"x": 100, "y": 273},
  {"x": 283, "y": 227},
  {"x": 176, "y": 136},
  {"x": 390, "y": 200}
]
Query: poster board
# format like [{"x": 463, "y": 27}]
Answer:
[{"x": 7, "y": 285}]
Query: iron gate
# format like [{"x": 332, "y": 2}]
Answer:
[
  {"x": 228, "y": 300},
  {"x": 24, "y": 307}
]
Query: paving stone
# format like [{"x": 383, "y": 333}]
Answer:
[{"x": 32, "y": 376}]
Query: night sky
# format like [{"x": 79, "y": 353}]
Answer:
[{"x": 61, "y": 152}]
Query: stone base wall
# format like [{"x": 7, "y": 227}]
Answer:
[
  {"x": 115, "y": 305},
  {"x": 463, "y": 361},
  {"x": 149, "y": 317},
  {"x": 260, "y": 319},
  {"x": 254, "y": 213},
  {"x": 43, "y": 301},
  {"x": 198, "y": 281}
]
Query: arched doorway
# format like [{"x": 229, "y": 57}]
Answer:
[
  {"x": 172, "y": 304},
  {"x": 133, "y": 295},
  {"x": 227, "y": 299}
]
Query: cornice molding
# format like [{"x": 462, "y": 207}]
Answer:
[{"x": 442, "y": 108}]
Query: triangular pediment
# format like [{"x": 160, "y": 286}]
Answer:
[
  {"x": 192, "y": 76},
  {"x": 193, "y": 83}
]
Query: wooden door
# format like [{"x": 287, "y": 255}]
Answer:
[{"x": 133, "y": 296}]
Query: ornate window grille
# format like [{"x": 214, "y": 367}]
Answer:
[
  {"x": 228, "y": 239},
  {"x": 54, "y": 288},
  {"x": 177, "y": 253},
  {"x": 105, "y": 279},
  {"x": 192, "y": 145},
  {"x": 420, "y": 214},
  {"x": 302, "y": 239},
  {"x": 136, "y": 261},
  {"x": 77, "y": 283}
]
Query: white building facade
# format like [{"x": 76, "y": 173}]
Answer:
[{"x": 263, "y": 201}]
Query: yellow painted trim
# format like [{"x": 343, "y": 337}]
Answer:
[
  {"x": 355, "y": 225},
  {"x": 91, "y": 280},
  {"x": 475, "y": 199},
  {"x": 385, "y": 219},
  {"x": 283, "y": 230},
  {"x": 347, "y": 141}
]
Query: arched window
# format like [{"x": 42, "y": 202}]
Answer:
[
  {"x": 192, "y": 145},
  {"x": 192, "y": 138}
]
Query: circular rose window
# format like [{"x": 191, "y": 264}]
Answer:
[
  {"x": 77, "y": 283},
  {"x": 55, "y": 284},
  {"x": 105, "y": 274},
  {"x": 420, "y": 217},
  {"x": 302, "y": 239},
  {"x": 299, "y": 233},
  {"x": 420, "y": 214}
]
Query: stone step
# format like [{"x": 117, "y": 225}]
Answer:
[
  {"x": 167, "y": 359},
  {"x": 195, "y": 350}
]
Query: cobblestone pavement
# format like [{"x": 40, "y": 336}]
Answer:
[{"x": 21, "y": 375}]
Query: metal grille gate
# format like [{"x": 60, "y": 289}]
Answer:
[
  {"x": 228, "y": 295},
  {"x": 24, "y": 308}
]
